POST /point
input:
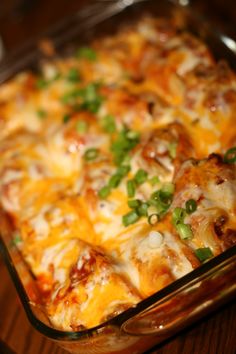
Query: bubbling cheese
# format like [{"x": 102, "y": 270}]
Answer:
[{"x": 101, "y": 151}]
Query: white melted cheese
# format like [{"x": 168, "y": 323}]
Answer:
[
  {"x": 11, "y": 175},
  {"x": 40, "y": 226},
  {"x": 128, "y": 268},
  {"x": 206, "y": 123},
  {"x": 56, "y": 255},
  {"x": 181, "y": 266},
  {"x": 222, "y": 195}
]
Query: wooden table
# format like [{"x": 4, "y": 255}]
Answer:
[{"x": 216, "y": 334}]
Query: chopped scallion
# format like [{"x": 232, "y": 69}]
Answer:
[
  {"x": 16, "y": 239},
  {"x": 153, "y": 219},
  {"x": 66, "y": 118},
  {"x": 230, "y": 155},
  {"x": 191, "y": 206},
  {"x": 86, "y": 53},
  {"x": 133, "y": 135},
  {"x": 73, "y": 75},
  {"x": 143, "y": 209},
  {"x": 131, "y": 186},
  {"x": 91, "y": 98},
  {"x": 130, "y": 218},
  {"x": 91, "y": 154},
  {"x": 203, "y": 253},
  {"x": 108, "y": 123},
  {"x": 172, "y": 150},
  {"x": 123, "y": 170},
  {"x": 154, "y": 180},
  {"x": 161, "y": 200},
  {"x": 70, "y": 96},
  {"x": 115, "y": 180},
  {"x": 184, "y": 231},
  {"x": 41, "y": 113},
  {"x": 81, "y": 126},
  {"x": 178, "y": 216},
  {"x": 168, "y": 189},
  {"x": 140, "y": 176},
  {"x": 134, "y": 203},
  {"x": 104, "y": 192},
  {"x": 86, "y": 98},
  {"x": 126, "y": 160},
  {"x": 123, "y": 144},
  {"x": 41, "y": 83}
]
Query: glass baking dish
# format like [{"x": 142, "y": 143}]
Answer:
[{"x": 180, "y": 303}]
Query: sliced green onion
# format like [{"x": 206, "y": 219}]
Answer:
[
  {"x": 130, "y": 218},
  {"x": 162, "y": 198},
  {"x": 131, "y": 186},
  {"x": 154, "y": 180},
  {"x": 119, "y": 157},
  {"x": 184, "y": 231},
  {"x": 16, "y": 239},
  {"x": 73, "y": 75},
  {"x": 115, "y": 180},
  {"x": 191, "y": 206},
  {"x": 230, "y": 155},
  {"x": 143, "y": 209},
  {"x": 82, "y": 126},
  {"x": 133, "y": 135},
  {"x": 120, "y": 145},
  {"x": 140, "y": 176},
  {"x": 134, "y": 203},
  {"x": 91, "y": 98},
  {"x": 123, "y": 170},
  {"x": 41, "y": 113},
  {"x": 165, "y": 199},
  {"x": 151, "y": 209},
  {"x": 104, "y": 192},
  {"x": 56, "y": 76},
  {"x": 126, "y": 141},
  {"x": 90, "y": 92},
  {"x": 42, "y": 83},
  {"x": 86, "y": 98},
  {"x": 108, "y": 123},
  {"x": 92, "y": 107},
  {"x": 86, "y": 53},
  {"x": 167, "y": 189},
  {"x": 91, "y": 154},
  {"x": 66, "y": 118},
  {"x": 70, "y": 96},
  {"x": 156, "y": 202},
  {"x": 126, "y": 160},
  {"x": 203, "y": 253},
  {"x": 178, "y": 215},
  {"x": 153, "y": 219},
  {"x": 172, "y": 150}
]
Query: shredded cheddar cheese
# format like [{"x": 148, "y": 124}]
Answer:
[{"x": 112, "y": 168}]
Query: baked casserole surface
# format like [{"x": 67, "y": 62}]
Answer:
[{"x": 117, "y": 168}]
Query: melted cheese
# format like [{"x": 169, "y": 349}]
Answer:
[{"x": 162, "y": 85}]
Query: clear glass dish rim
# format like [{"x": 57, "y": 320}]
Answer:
[
  {"x": 212, "y": 265},
  {"x": 7, "y": 69}
]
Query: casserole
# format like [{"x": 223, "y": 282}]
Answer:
[{"x": 148, "y": 322}]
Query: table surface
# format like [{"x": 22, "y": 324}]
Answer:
[{"x": 215, "y": 334}]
